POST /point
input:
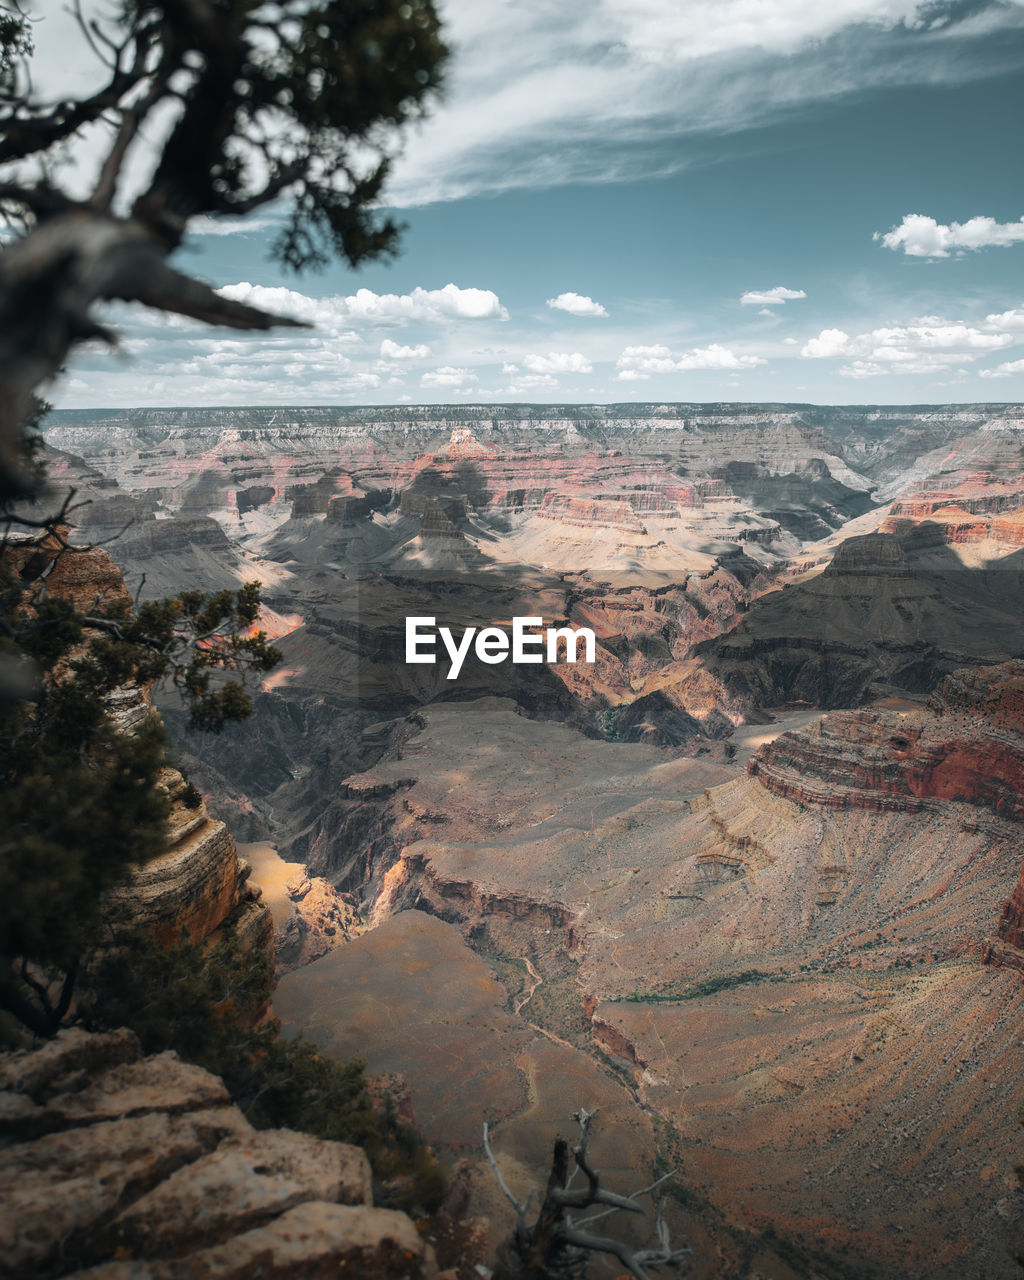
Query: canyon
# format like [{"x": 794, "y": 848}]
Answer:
[{"x": 752, "y": 881}]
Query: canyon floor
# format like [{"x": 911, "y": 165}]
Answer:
[{"x": 750, "y": 883}]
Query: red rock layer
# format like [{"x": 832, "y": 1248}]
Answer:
[{"x": 966, "y": 746}]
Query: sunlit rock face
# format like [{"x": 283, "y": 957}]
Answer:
[
  {"x": 966, "y": 745},
  {"x": 198, "y": 886}
]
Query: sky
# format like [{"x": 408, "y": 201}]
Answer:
[{"x": 647, "y": 200}]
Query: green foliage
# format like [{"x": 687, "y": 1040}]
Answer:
[
  {"x": 187, "y": 641},
  {"x": 190, "y": 797},
  {"x": 206, "y": 1004},
  {"x": 79, "y": 805},
  {"x": 709, "y": 987},
  {"x": 306, "y": 101},
  {"x": 606, "y": 719}
]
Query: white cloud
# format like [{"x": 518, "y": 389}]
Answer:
[
  {"x": 446, "y": 376},
  {"x": 922, "y": 237},
  {"x": 577, "y": 305},
  {"x": 431, "y": 306},
  {"x": 1004, "y": 370},
  {"x": 929, "y": 344},
  {"x": 207, "y": 226},
  {"x": 394, "y": 351},
  {"x": 931, "y": 333},
  {"x": 830, "y": 342},
  {"x": 530, "y": 381},
  {"x": 548, "y": 95},
  {"x": 771, "y": 297},
  {"x": 558, "y": 362},
  {"x": 1007, "y": 319},
  {"x": 717, "y": 357},
  {"x": 643, "y": 361},
  {"x": 638, "y": 363}
]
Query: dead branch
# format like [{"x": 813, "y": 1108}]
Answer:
[
  {"x": 49, "y": 285},
  {"x": 557, "y": 1246}
]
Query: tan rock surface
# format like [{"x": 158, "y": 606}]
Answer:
[
  {"x": 105, "y": 1154},
  {"x": 314, "y": 1241},
  {"x": 792, "y": 985},
  {"x": 198, "y": 884}
]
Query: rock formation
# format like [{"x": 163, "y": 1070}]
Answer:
[
  {"x": 117, "y": 1166},
  {"x": 796, "y": 984},
  {"x": 889, "y": 611},
  {"x": 199, "y": 886},
  {"x": 966, "y": 746}
]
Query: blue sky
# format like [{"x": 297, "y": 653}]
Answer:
[{"x": 853, "y": 170}]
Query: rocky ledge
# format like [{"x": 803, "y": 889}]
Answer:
[
  {"x": 118, "y": 1166},
  {"x": 966, "y": 745},
  {"x": 199, "y": 884}
]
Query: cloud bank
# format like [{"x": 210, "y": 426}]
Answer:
[
  {"x": 927, "y": 345},
  {"x": 367, "y": 307},
  {"x": 639, "y": 363},
  {"x": 922, "y": 237}
]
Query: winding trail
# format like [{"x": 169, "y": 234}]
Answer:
[{"x": 524, "y": 1000}]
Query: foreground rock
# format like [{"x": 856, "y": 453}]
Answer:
[{"x": 117, "y": 1165}]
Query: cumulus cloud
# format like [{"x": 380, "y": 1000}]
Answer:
[
  {"x": 558, "y": 362},
  {"x": 1004, "y": 370},
  {"x": 717, "y": 357},
  {"x": 394, "y": 351},
  {"x": 430, "y": 306},
  {"x": 446, "y": 376},
  {"x": 922, "y": 237},
  {"x": 776, "y": 297},
  {"x": 929, "y": 344},
  {"x": 638, "y": 363},
  {"x": 1007, "y": 319},
  {"x": 641, "y": 362},
  {"x": 577, "y": 304},
  {"x": 830, "y": 342}
]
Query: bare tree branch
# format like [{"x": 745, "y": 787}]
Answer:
[
  {"x": 305, "y": 114},
  {"x": 49, "y": 283},
  {"x": 516, "y": 1204},
  {"x": 556, "y": 1246}
]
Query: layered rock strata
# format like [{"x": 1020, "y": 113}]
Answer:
[
  {"x": 966, "y": 746},
  {"x": 123, "y": 1167},
  {"x": 198, "y": 886},
  {"x": 888, "y": 611}
]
